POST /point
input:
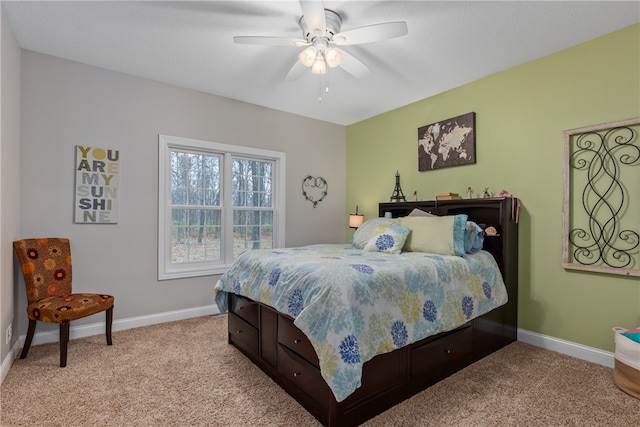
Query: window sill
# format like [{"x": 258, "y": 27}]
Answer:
[{"x": 187, "y": 273}]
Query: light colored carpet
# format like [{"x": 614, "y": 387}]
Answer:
[{"x": 185, "y": 374}]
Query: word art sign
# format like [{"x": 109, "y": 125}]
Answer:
[{"x": 97, "y": 172}]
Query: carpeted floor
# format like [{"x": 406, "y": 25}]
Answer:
[{"x": 185, "y": 374}]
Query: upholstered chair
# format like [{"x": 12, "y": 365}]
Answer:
[{"x": 46, "y": 267}]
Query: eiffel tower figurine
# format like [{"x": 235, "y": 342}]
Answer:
[{"x": 397, "y": 194}]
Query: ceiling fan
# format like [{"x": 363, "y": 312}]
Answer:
[{"x": 321, "y": 38}]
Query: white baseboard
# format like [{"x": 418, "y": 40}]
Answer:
[
  {"x": 8, "y": 361},
  {"x": 122, "y": 324},
  {"x": 99, "y": 328},
  {"x": 569, "y": 348}
]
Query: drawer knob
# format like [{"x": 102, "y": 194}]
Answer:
[
  {"x": 241, "y": 307},
  {"x": 448, "y": 351},
  {"x": 296, "y": 374},
  {"x": 297, "y": 341},
  {"x": 239, "y": 331}
]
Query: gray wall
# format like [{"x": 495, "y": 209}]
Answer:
[
  {"x": 9, "y": 179},
  {"x": 65, "y": 104}
]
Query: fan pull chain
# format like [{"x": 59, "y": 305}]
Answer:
[{"x": 323, "y": 87}]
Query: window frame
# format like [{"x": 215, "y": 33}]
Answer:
[{"x": 168, "y": 270}]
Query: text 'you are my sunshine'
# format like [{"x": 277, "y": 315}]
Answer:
[{"x": 97, "y": 172}]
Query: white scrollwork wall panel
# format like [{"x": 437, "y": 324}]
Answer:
[{"x": 601, "y": 206}]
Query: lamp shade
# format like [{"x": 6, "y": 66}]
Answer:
[
  {"x": 333, "y": 57},
  {"x": 319, "y": 66},
  {"x": 355, "y": 220},
  {"x": 308, "y": 56}
]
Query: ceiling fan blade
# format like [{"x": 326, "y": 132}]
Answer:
[
  {"x": 313, "y": 12},
  {"x": 295, "y": 72},
  {"x": 371, "y": 33},
  {"x": 354, "y": 66},
  {"x": 270, "y": 41}
]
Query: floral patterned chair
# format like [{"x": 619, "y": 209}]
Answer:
[{"x": 46, "y": 267}]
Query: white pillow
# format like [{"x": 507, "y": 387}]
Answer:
[
  {"x": 420, "y": 212},
  {"x": 443, "y": 235}
]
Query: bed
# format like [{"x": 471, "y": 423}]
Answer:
[{"x": 351, "y": 330}]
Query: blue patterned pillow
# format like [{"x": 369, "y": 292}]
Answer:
[
  {"x": 388, "y": 238},
  {"x": 364, "y": 233}
]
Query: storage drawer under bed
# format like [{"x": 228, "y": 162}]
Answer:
[
  {"x": 437, "y": 359},
  {"x": 293, "y": 338},
  {"x": 245, "y": 308},
  {"x": 303, "y": 374},
  {"x": 242, "y": 334}
]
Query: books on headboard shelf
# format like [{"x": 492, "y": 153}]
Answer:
[{"x": 448, "y": 196}]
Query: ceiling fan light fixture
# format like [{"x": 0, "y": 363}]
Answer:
[
  {"x": 308, "y": 56},
  {"x": 333, "y": 57},
  {"x": 322, "y": 35}
]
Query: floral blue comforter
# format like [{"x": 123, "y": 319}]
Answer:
[{"x": 354, "y": 305}]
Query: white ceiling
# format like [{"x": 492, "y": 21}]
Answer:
[{"x": 190, "y": 44}]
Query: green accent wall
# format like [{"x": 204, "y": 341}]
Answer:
[{"x": 521, "y": 114}]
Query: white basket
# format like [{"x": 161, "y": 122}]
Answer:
[
  {"x": 626, "y": 370},
  {"x": 627, "y": 350}
]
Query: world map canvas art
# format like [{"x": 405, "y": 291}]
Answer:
[{"x": 450, "y": 142}]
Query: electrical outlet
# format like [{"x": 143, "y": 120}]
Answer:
[{"x": 9, "y": 333}]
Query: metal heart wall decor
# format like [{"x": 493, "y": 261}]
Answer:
[{"x": 314, "y": 189}]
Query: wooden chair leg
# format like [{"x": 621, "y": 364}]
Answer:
[
  {"x": 27, "y": 341},
  {"x": 109, "y": 323},
  {"x": 64, "y": 342}
]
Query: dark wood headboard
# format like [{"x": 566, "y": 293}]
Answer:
[{"x": 501, "y": 213}]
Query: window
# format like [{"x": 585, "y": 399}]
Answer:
[{"x": 215, "y": 202}]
